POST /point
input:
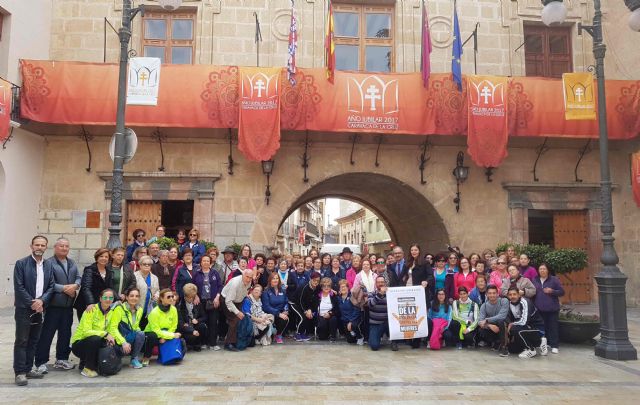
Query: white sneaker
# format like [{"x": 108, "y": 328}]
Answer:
[
  {"x": 360, "y": 342},
  {"x": 555, "y": 350},
  {"x": 544, "y": 348},
  {"x": 42, "y": 369},
  {"x": 527, "y": 354},
  {"x": 216, "y": 348},
  {"x": 64, "y": 365}
]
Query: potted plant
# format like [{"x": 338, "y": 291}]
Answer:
[
  {"x": 166, "y": 243},
  {"x": 574, "y": 326}
]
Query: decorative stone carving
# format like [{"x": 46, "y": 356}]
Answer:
[
  {"x": 441, "y": 31},
  {"x": 163, "y": 186}
]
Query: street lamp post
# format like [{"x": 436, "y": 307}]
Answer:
[
  {"x": 115, "y": 215},
  {"x": 614, "y": 334}
]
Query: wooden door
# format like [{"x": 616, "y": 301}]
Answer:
[
  {"x": 571, "y": 230},
  {"x": 145, "y": 215}
]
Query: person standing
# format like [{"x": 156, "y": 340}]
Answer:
[
  {"x": 346, "y": 254},
  {"x": 96, "y": 278},
  {"x": 138, "y": 241},
  {"x": 549, "y": 290},
  {"x": 123, "y": 277},
  {"x": 160, "y": 232},
  {"x": 398, "y": 264},
  {"x": 60, "y": 311},
  {"x": 33, "y": 285}
]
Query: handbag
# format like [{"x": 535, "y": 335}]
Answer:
[
  {"x": 109, "y": 363},
  {"x": 170, "y": 352}
]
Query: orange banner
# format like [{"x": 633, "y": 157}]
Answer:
[
  {"x": 259, "y": 119},
  {"x": 635, "y": 177},
  {"x": 202, "y": 96},
  {"x": 488, "y": 131},
  {"x": 5, "y": 109}
]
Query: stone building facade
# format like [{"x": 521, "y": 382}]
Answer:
[{"x": 229, "y": 208}]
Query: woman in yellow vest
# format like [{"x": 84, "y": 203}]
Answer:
[
  {"x": 162, "y": 326},
  {"x": 92, "y": 334},
  {"x": 124, "y": 326}
]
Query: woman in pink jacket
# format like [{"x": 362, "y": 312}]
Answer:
[{"x": 465, "y": 277}]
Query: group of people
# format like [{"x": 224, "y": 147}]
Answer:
[{"x": 136, "y": 299}]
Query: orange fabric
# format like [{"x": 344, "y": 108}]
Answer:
[
  {"x": 330, "y": 46},
  {"x": 579, "y": 96},
  {"x": 635, "y": 174},
  {"x": 488, "y": 131},
  {"x": 202, "y": 96},
  {"x": 5, "y": 109},
  {"x": 259, "y": 119}
]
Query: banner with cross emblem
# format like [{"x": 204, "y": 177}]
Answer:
[
  {"x": 579, "y": 96},
  {"x": 259, "y": 113},
  {"x": 144, "y": 81},
  {"x": 488, "y": 126}
]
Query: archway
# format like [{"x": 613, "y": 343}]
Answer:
[{"x": 408, "y": 216}]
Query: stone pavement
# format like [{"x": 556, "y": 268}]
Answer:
[{"x": 316, "y": 372}]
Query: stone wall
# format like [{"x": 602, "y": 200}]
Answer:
[{"x": 225, "y": 32}]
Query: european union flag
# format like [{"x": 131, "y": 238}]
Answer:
[{"x": 456, "y": 67}]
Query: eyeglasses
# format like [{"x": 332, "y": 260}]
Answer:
[
  {"x": 107, "y": 298},
  {"x": 145, "y": 264},
  {"x": 36, "y": 318},
  {"x": 503, "y": 263},
  {"x": 139, "y": 235},
  {"x": 453, "y": 258}
]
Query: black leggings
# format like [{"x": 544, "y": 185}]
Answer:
[
  {"x": 195, "y": 340},
  {"x": 87, "y": 351},
  {"x": 212, "y": 326},
  {"x": 327, "y": 327},
  {"x": 280, "y": 325}
]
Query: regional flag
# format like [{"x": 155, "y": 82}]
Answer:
[
  {"x": 579, "y": 96},
  {"x": 425, "y": 65},
  {"x": 330, "y": 46},
  {"x": 293, "y": 46}
]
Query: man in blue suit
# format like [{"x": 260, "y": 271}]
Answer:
[{"x": 33, "y": 285}]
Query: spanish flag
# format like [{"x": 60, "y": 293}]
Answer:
[{"x": 330, "y": 46}]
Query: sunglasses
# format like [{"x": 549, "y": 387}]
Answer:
[
  {"x": 106, "y": 298},
  {"x": 440, "y": 260},
  {"x": 139, "y": 235},
  {"x": 502, "y": 262},
  {"x": 193, "y": 234},
  {"x": 169, "y": 296},
  {"x": 145, "y": 264},
  {"x": 380, "y": 262}
]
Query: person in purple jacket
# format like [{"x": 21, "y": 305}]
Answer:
[
  {"x": 209, "y": 288},
  {"x": 548, "y": 290},
  {"x": 526, "y": 270}
]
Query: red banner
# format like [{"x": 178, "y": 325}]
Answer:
[
  {"x": 488, "y": 130},
  {"x": 5, "y": 109},
  {"x": 635, "y": 177},
  {"x": 201, "y": 96},
  {"x": 259, "y": 119}
]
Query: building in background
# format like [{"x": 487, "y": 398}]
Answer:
[
  {"x": 303, "y": 230},
  {"x": 363, "y": 227}
]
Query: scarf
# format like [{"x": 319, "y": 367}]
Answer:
[{"x": 164, "y": 308}]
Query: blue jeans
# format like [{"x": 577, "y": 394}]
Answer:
[
  {"x": 137, "y": 344},
  {"x": 59, "y": 320},
  {"x": 28, "y": 327},
  {"x": 375, "y": 334}
]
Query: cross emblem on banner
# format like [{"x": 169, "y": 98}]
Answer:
[
  {"x": 143, "y": 77},
  {"x": 486, "y": 93},
  {"x": 259, "y": 86},
  {"x": 579, "y": 93},
  {"x": 372, "y": 94}
]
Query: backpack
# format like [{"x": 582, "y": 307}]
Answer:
[
  {"x": 170, "y": 352},
  {"x": 245, "y": 333},
  {"x": 109, "y": 363}
]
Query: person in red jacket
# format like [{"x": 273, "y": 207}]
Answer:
[{"x": 465, "y": 277}]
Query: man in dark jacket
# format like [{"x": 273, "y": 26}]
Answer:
[
  {"x": 33, "y": 285},
  {"x": 60, "y": 311},
  {"x": 525, "y": 326},
  {"x": 305, "y": 305},
  {"x": 378, "y": 317}
]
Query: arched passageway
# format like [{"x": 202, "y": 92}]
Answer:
[{"x": 408, "y": 216}]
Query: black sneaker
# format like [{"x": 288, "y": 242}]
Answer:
[
  {"x": 503, "y": 352},
  {"x": 34, "y": 374},
  {"x": 394, "y": 346},
  {"x": 231, "y": 348}
]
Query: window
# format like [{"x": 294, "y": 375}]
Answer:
[
  {"x": 378, "y": 225},
  {"x": 364, "y": 37},
  {"x": 547, "y": 50},
  {"x": 169, "y": 36},
  {"x": 370, "y": 226}
]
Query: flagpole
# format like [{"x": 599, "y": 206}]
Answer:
[
  {"x": 258, "y": 39},
  {"x": 474, "y": 35}
]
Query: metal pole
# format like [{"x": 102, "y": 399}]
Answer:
[
  {"x": 614, "y": 334},
  {"x": 115, "y": 216}
]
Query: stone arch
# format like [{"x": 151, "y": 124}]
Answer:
[{"x": 408, "y": 215}]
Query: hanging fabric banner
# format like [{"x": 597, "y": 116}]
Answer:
[
  {"x": 5, "y": 109},
  {"x": 144, "y": 81},
  {"x": 635, "y": 177},
  {"x": 579, "y": 96},
  {"x": 488, "y": 129},
  {"x": 259, "y": 118}
]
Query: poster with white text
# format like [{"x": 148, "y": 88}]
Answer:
[{"x": 407, "y": 310}]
